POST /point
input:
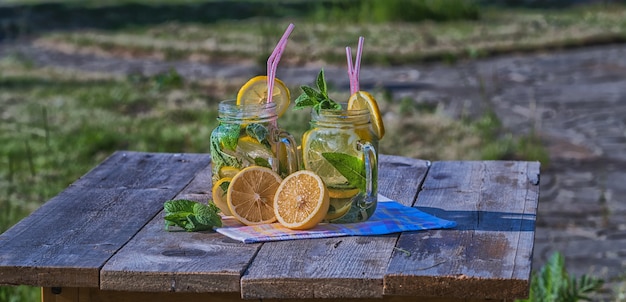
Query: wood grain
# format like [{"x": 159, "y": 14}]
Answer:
[
  {"x": 67, "y": 240},
  {"x": 157, "y": 260},
  {"x": 103, "y": 239},
  {"x": 489, "y": 254},
  {"x": 346, "y": 267},
  {"x": 96, "y": 295}
]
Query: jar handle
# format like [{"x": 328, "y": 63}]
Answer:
[
  {"x": 293, "y": 162},
  {"x": 371, "y": 170}
]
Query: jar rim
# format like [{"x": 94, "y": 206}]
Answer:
[
  {"x": 340, "y": 117},
  {"x": 343, "y": 112},
  {"x": 232, "y": 103},
  {"x": 229, "y": 109}
]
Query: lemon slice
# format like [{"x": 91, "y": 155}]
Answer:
[
  {"x": 338, "y": 208},
  {"x": 250, "y": 195},
  {"x": 340, "y": 202},
  {"x": 255, "y": 92},
  {"x": 301, "y": 201},
  {"x": 343, "y": 193},
  {"x": 219, "y": 195},
  {"x": 228, "y": 171},
  {"x": 364, "y": 100}
]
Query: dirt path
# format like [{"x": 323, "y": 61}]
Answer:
[{"x": 575, "y": 99}]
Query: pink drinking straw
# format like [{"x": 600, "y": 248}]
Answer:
[
  {"x": 272, "y": 61},
  {"x": 354, "y": 70},
  {"x": 350, "y": 69}
]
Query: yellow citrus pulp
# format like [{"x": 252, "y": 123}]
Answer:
[
  {"x": 219, "y": 195},
  {"x": 364, "y": 100},
  {"x": 301, "y": 201},
  {"x": 255, "y": 92},
  {"x": 250, "y": 196}
]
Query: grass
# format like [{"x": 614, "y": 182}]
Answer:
[
  {"x": 390, "y": 43},
  {"x": 57, "y": 124}
]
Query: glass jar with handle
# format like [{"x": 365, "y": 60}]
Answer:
[
  {"x": 342, "y": 149},
  {"x": 248, "y": 135}
]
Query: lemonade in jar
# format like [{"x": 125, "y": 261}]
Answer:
[
  {"x": 248, "y": 135},
  {"x": 341, "y": 146}
]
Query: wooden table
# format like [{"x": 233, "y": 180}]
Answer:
[{"x": 103, "y": 239}]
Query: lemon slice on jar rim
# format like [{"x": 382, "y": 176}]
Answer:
[
  {"x": 364, "y": 100},
  {"x": 255, "y": 92}
]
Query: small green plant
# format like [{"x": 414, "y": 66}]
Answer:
[{"x": 554, "y": 284}]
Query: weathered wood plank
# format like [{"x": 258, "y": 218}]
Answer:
[
  {"x": 96, "y": 295},
  {"x": 489, "y": 254},
  {"x": 73, "y": 294},
  {"x": 346, "y": 267},
  {"x": 160, "y": 261},
  {"x": 68, "y": 239}
]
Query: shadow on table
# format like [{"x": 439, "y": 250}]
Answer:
[{"x": 486, "y": 220}]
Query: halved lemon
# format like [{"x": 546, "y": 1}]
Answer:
[
  {"x": 219, "y": 195},
  {"x": 301, "y": 201},
  {"x": 255, "y": 92},
  {"x": 364, "y": 100},
  {"x": 250, "y": 195}
]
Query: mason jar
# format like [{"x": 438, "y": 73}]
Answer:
[
  {"x": 342, "y": 149},
  {"x": 248, "y": 135}
]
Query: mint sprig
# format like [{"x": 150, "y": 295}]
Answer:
[
  {"x": 190, "y": 215},
  {"x": 318, "y": 99}
]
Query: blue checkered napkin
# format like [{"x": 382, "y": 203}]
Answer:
[{"x": 390, "y": 217}]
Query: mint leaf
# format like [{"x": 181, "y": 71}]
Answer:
[
  {"x": 190, "y": 215},
  {"x": 227, "y": 134},
  {"x": 206, "y": 215},
  {"x": 178, "y": 206},
  {"x": 260, "y": 133},
  {"x": 224, "y": 186},
  {"x": 316, "y": 99},
  {"x": 321, "y": 83},
  {"x": 304, "y": 101},
  {"x": 329, "y": 104},
  {"x": 349, "y": 166},
  {"x": 312, "y": 94},
  {"x": 219, "y": 157},
  {"x": 260, "y": 161}
]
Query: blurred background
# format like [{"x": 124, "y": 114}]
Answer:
[{"x": 455, "y": 79}]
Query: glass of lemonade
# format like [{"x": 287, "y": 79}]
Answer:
[
  {"x": 248, "y": 135},
  {"x": 342, "y": 149}
]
